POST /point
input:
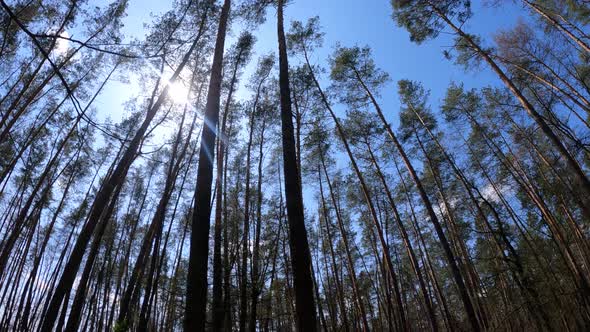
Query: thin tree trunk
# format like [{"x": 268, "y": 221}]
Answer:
[
  {"x": 101, "y": 200},
  {"x": 218, "y": 306},
  {"x": 451, "y": 260},
  {"x": 528, "y": 107},
  {"x": 543, "y": 13},
  {"x": 326, "y": 103},
  {"x": 339, "y": 287},
  {"x": 349, "y": 260},
  {"x": 522, "y": 280},
  {"x": 407, "y": 243},
  {"x": 246, "y": 229},
  {"x": 256, "y": 282}
]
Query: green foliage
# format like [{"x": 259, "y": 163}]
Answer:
[
  {"x": 415, "y": 113},
  {"x": 351, "y": 67},
  {"x": 305, "y": 38},
  {"x": 466, "y": 55},
  {"x": 363, "y": 128},
  {"x": 121, "y": 326},
  {"x": 244, "y": 47},
  {"x": 477, "y": 155},
  {"x": 421, "y": 17},
  {"x": 457, "y": 100}
]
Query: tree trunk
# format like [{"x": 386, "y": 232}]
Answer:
[
  {"x": 218, "y": 307},
  {"x": 339, "y": 287},
  {"x": 256, "y": 283},
  {"x": 407, "y": 243},
  {"x": 196, "y": 290},
  {"x": 528, "y": 107},
  {"x": 349, "y": 260},
  {"x": 246, "y": 229},
  {"x": 463, "y": 291},
  {"x": 543, "y": 13},
  {"x": 300, "y": 255},
  {"x": 101, "y": 200}
]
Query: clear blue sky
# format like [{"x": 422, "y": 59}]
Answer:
[{"x": 353, "y": 22}]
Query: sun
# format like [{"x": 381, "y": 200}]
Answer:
[
  {"x": 178, "y": 93},
  {"x": 62, "y": 45}
]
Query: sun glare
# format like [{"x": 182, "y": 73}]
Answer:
[
  {"x": 61, "y": 45},
  {"x": 178, "y": 92}
]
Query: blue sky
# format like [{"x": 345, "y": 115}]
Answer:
[
  {"x": 353, "y": 22},
  {"x": 348, "y": 22}
]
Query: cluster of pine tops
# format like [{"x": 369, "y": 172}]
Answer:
[{"x": 190, "y": 214}]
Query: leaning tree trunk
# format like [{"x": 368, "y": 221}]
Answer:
[
  {"x": 339, "y": 288},
  {"x": 196, "y": 288},
  {"x": 528, "y": 107},
  {"x": 384, "y": 246},
  {"x": 300, "y": 254},
  {"x": 407, "y": 243},
  {"x": 463, "y": 291},
  {"x": 218, "y": 307},
  {"x": 559, "y": 26},
  {"x": 512, "y": 256},
  {"x": 256, "y": 284},
  {"x": 246, "y": 230},
  {"x": 155, "y": 228},
  {"x": 351, "y": 269},
  {"x": 104, "y": 195}
]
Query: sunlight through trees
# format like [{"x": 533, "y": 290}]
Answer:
[{"x": 252, "y": 183}]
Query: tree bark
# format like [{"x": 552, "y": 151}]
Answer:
[
  {"x": 528, "y": 107},
  {"x": 300, "y": 255},
  {"x": 196, "y": 290},
  {"x": 463, "y": 292}
]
